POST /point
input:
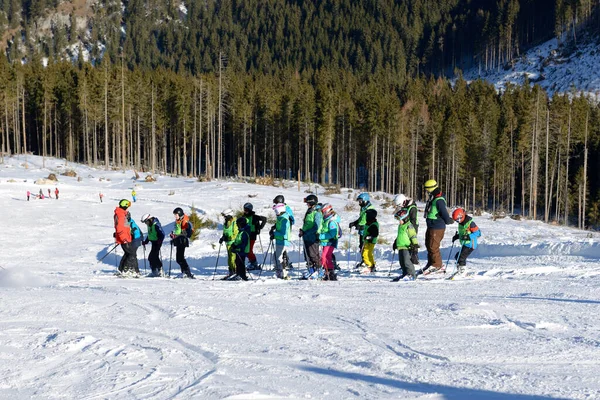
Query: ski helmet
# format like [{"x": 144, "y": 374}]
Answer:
[
  {"x": 430, "y": 185},
  {"x": 279, "y": 208},
  {"x": 279, "y": 199},
  {"x": 178, "y": 211},
  {"x": 146, "y": 218},
  {"x": 241, "y": 222},
  {"x": 459, "y": 215},
  {"x": 371, "y": 214},
  {"x": 363, "y": 198},
  {"x": 248, "y": 207},
  {"x": 311, "y": 200},
  {"x": 401, "y": 214},
  {"x": 124, "y": 204},
  {"x": 327, "y": 211},
  {"x": 399, "y": 200}
]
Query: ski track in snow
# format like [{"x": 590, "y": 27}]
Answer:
[{"x": 523, "y": 326}]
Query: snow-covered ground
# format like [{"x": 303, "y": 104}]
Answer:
[
  {"x": 525, "y": 326},
  {"x": 547, "y": 66}
]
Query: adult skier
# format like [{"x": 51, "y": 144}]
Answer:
[
  {"x": 180, "y": 238},
  {"x": 279, "y": 199},
  {"x": 256, "y": 223},
  {"x": 310, "y": 233},
  {"x": 437, "y": 217},
  {"x": 467, "y": 234},
  {"x": 156, "y": 236},
  {"x": 241, "y": 247}
]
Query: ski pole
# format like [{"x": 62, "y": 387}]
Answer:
[
  {"x": 265, "y": 259},
  {"x": 110, "y": 251},
  {"x": 449, "y": 254},
  {"x": 170, "y": 259},
  {"x": 144, "y": 259},
  {"x": 391, "y": 262},
  {"x": 260, "y": 242},
  {"x": 457, "y": 258},
  {"x": 217, "y": 263}
]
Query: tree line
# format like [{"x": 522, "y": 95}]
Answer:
[{"x": 519, "y": 151}]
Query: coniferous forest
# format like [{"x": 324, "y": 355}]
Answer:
[{"x": 354, "y": 93}]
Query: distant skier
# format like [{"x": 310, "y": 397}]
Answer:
[
  {"x": 56, "y": 193},
  {"x": 101, "y": 196},
  {"x": 406, "y": 243},
  {"x": 230, "y": 232},
  {"x": 436, "y": 216},
  {"x": 370, "y": 235},
  {"x": 279, "y": 199},
  {"x": 156, "y": 236},
  {"x": 136, "y": 238},
  {"x": 467, "y": 234},
  {"x": 41, "y": 195},
  {"x": 364, "y": 201},
  {"x": 28, "y": 194},
  {"x": 49, "y": 195},
  {"x": 310, "y": 233},
  {"x": 134, "y": 195},
  {"x": 280, "y": 232},
  {"x": 329, "y": 235},
  {"x": 241, "y": 247},
  {"x": 256, "y": 223},
  {"x": 123, "y": 237},
  {"x": 180, "y": 239}
]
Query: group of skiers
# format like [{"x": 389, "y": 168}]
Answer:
[
  {"x": 41, "y": 196},
  {"x": 320, "y": 235}
]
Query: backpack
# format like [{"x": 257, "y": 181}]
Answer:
[{"x": 339, "y": 231}]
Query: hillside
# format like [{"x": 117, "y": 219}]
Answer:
[{"x": 523, "y": 326}]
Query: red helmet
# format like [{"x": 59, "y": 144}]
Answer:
[
  {"x": 459, "y": 215},
  {"x": 327, "y": 210}
]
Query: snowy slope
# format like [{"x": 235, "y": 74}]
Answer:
[
  {"x": 548, "y": 66},
  {"x": 525, "y": 326}
]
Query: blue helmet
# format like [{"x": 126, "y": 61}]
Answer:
[{"x": 364, "y": 197}]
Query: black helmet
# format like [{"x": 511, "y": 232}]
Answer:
[
  {"x": 241, "y": 222},
  {"x": 248, "y": 206},
  {"x": 311, "y": 200},
  {"x": 279, "y": 199},
  {"x": 178, "y": 211},
  {"x": 371, "y": 214}
]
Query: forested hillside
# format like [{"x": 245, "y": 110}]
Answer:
[{"x": 354, "y": 93}]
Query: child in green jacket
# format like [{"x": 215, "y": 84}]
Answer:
[{"x": 406, "y": 242}]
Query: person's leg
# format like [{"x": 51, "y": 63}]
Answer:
[
  {"x": 465, "y": 252},
  {"x": 240, "y": 267},
  {"x": 232, "y": 261},
  {"x": 436, "y": 239},
  {"x": 278, "y": 268},
  {"x": 251, "y": 255},
  {"x": 367, "y": 255},
  {"x": 180, "y": 258},
  {"x": 408, "y": 267}
]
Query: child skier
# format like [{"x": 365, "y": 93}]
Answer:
[
  {"x": 241, "y": 247},
  {"x": 56, "y": 193},
  {"x": 133, "y": 195},
  {"x": 364, "y": 201},
  {"x": 329, "y": 235},
  {"x": 401, "y": 201},
  {"x": 280, "y": 232},
  {"x": 230, "y": 232},
  {"x": 370, "y": 235},
  {"x": 256, "y": 223},
  {"x": 467, "y": 234},
  {"x": 310, "y": 233},
  {"x": 122, "y": 235},
  {"x": 180, "y": 239},
  {"x": 406, "y": 242},
  {"x": 156, "y": 235},
  {"x": 279, "y": 199}
]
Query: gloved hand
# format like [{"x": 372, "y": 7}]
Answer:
[
  {"x": 172, "y": 235},
  {"x": 465, "y": 237},
  {"x": 145, "y": 242},
  {"x": 455, "y": 238},
  {"x": 351, "y": 224},
  {"x": 114, "y": 234},
  {"x": 222, "y": 239},
  {"x": 394, "y": 246},
  {"x": 301, "y": 233},
  {"x": 271, "y": 235},
  {"x": 413, "y": 248}
]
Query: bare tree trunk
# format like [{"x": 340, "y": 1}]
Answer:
[
  {"x": 567, "y": 171},
  {"x": 546, "y": 198},
  {"x": 123, "y": 134},
  {"x": 153, "y": 135},
  {"x": 220, "y": 133},
  {"x": 106, "y": 118},
  {"x": 585, "y": 165}
]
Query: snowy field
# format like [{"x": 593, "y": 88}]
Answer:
[{"x": 525, "y": 326}]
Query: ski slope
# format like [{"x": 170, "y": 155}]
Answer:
[{"x": 524, "y": 326}]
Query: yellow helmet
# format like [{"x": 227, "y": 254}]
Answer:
[{"x": 431, "y": 185}]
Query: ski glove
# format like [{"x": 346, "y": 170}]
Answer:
[
  {"x": 301, "y": 233},
  {"x": 221, "y": 240},
  {"x": 172, "y": 235},
  {"x": 394, "y": 246},
  {"x": 413, "y": 248},
  {"x": 145, "y": 242},
  {"x": 455, "y": 238}
]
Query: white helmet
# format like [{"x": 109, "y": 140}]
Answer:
[
  {"x": 146, "y": 217},
  {"x": 279, "y": 208},
  {"x": 227, "y": 213},
  {"x": 399, "y": 200}
]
